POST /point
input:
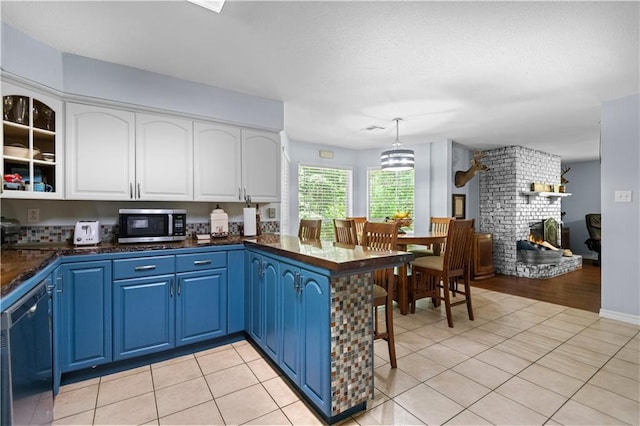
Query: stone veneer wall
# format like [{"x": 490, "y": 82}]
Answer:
[{"x": 504, "y": 210}]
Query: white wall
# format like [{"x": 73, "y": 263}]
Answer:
[
  {"x": 30, "y": 59},
  {"x": 584, "y": 186},
  {"x": 621, "y": 221},
  {"x": 75, "y": 75},
  {"x": 433, "y": 178}
]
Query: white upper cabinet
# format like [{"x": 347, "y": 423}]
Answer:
[
  {"x": 32, "y": 143},
  {"x": 164, "y": 158},
  {"x": 217, "y": 162},
  {"x": 233, "y": 164},
  {"x": 100, "y": 158},
  {"x": 114, "y": 154},
  {"x": 120, "y": 155},
  {"x": 261, "y": 165}
]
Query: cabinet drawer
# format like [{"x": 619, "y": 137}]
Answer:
[
  {"x": 143, "y": 267},
  {"x": 199, "y": 261}
]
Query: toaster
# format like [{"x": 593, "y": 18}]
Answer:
[{"x": 87, "y": 232}]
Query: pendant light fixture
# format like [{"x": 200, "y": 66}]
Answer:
[{"x": 398, "y": 158}]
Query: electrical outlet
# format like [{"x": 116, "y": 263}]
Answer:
[
  {"x": 33, "y": 215},
  {"x": 622, "y": 196}
]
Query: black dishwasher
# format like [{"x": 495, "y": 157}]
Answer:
[{"x": 26, "y": 359}]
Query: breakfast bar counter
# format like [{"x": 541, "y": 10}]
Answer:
[{"x": 307, "y": 304}]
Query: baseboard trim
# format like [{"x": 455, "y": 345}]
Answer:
[{"x": 619, "y": 316}]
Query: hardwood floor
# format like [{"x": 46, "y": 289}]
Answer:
[{"x": 578, "y": 289}]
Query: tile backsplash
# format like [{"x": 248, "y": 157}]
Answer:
[{"x": 109, "y": 233}]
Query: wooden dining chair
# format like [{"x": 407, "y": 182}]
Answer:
[
  {"x": 345, "y": 231},
  {"x": 382, "y": 236},
  {"x": 436, "y": 224},
  {"x": 359, "y": 220},
  {"x": 434, "y": 276},
  {"x": 309, "y": 229}
]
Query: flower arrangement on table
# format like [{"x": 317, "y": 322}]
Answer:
[{"x": 402, "y": 219}]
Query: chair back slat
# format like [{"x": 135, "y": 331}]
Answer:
[
  {"x": 380, "y": 236},
  {"x": 441, "y": 224},
  {"x": 359, "y": 220},
  {"x": 309, "y": 229},
  {"x": 345, "y": 231},
  {"x": 459, "y": 238}
]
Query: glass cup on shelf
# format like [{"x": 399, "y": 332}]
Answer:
[{"x": 7, "y": 102}]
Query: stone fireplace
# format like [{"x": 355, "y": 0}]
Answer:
[{"x": 509, "y": 213}]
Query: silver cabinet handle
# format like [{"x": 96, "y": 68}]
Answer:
[
  {"x": 131, "y": 190},
  {"x": 138, "y": 189},
  {"x": 144, "y": 268},
  {"x": 202, "y": 262},
  {"x": 239, "y": 194},
  {"x": 179, "y": 285},
  {"x": 171, "y": 288},
  {"x": 60, "y": 288}
]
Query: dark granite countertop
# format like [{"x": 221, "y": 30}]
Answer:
[
  {"x": 329, "y": 255},
  {"x": 20, "y": 262}
]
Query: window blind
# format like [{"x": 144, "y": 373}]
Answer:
[
  {"x": 389, "y": 192},
  {"x": 324, "y": 193}
]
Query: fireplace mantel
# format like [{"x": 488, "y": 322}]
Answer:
[{"x": 553, "y": 195}]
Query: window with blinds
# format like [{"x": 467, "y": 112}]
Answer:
[
  {"x": 324, "y": 193},
  {"x": 390, "y": 192}
]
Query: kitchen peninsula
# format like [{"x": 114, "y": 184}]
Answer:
[{"x": 306, "y": 305}]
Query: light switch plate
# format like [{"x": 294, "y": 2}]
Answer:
[{"x": 622, "y": 196}]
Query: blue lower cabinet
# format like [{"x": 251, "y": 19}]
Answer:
[
  {"x": 305, "y": 334},
  {"x": 235, "y": 291},
  {"x": 144, "y": 316},
  {"x": 262, "y": 302},
  {"x": 291, "y": 325},
  {"x": 82, "y": 315},
  {"x": 288, "y": 317},
  {"x": 201, "y": 306},
  {"x": 255, "y": 299}
]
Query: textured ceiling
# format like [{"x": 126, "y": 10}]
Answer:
[{"x": 485, "y": 74}]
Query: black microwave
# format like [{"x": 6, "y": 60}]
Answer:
[{"x": 151, "y": 225}]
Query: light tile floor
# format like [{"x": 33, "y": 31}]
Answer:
[{"x": 520, "y": 362}]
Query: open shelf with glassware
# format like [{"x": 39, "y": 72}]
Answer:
[{"x": 30, "y": 166}]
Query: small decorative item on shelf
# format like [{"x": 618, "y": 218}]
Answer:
[{"x": 541, "y": 187}]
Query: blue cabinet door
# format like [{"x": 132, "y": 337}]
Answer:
[
  {"x": 255, "y": 298},
  {"x": 144, "y": 316},
  {"x": 201, "y": 305},
  {"x": 291, "y": 330},
  {"x": 315, "y": 345},
  {"x": 235, "y": 291},
  {"x": 272, "y": 307},
  {"x": 83, "y": 315}
]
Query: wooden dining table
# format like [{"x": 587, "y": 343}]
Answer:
[{"x": 409, "y": 238}]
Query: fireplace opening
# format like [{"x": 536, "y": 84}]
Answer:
[{"x": 547, "y": 230}]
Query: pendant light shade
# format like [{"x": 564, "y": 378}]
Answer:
[{"x": 397, "y": 158}]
